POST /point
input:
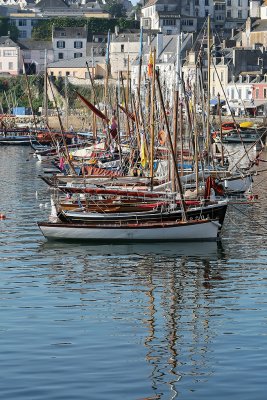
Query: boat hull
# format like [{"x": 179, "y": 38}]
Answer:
[
  {"x": 17, "y": 140},
  {"x": 204, "y": 230}
]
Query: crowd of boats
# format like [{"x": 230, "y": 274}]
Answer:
[
  {"x": 113, "y": 187},
  {"x": 147, "y": 171}
]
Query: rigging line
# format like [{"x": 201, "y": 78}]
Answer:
[
  {"x": 229, "y": 109},
  {"x": 243, "y": 213},
  {"x": 231, "y": 68}
]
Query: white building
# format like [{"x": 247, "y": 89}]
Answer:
[
  {"x": 167, "y": 16},
  {"x": 10, "y": 56},
  {"x": 237, "y": 9},
  {"x": 69, "y": 42}
]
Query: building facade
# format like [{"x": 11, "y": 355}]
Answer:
[
  {"x": 69, "y": 42},
  {"x": 10, "y": 57}
]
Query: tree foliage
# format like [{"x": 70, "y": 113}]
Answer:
[
  {"x": 43, "y": 30},
  {"x": 115, "y": 9},
  {"x": 13, "y": 92},
  {"x": 6, "y": 26}
]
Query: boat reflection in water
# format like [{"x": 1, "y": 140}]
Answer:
[{"x": 211, "y": 250}]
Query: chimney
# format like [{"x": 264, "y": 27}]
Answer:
[
  {"x": 116, "y": 31},
  {"x": 159, "y": 43}
]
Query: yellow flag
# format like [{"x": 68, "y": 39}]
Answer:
[{"x": 143, "y": 152}]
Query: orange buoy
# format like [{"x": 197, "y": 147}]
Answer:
[{"x": 2, "y": 216}]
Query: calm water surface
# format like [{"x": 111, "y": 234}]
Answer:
[{"x": 170, "y": 321}]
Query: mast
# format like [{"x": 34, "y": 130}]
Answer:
[
  {"x": 66, "y": 103},
  {"x": 45, "y": 112},
  {"x": 140, "y": 62},
  {"x": 152, "y": 120},
  {"x": 29, "y": 95},
  {"x": 173, "y": 156},
  {"x": 220, "y": 124},
  {"x": 107, "y": 72},
  {"x": 208, "y": 89}
]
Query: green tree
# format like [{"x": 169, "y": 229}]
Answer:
[
  {"x": 6, "y": 26},
  {"x": 115, "y": 8}
]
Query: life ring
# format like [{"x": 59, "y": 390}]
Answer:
[{"x": 162, "y": 137}]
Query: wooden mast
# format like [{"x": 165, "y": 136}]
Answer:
[
  {"x": 208, "y": 89},
  {"x": 220, "y": 124},
  {"x": 152, "y": 121},
  {"x": 173, "y": 156}
]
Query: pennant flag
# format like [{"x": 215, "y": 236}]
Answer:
[
  {"x": 143, "y": 152},
  {"x": 150, "y": 65},
  {"x": 95, "y": 110}
]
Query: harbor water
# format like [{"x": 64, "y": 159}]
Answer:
[{"x": 131, "y": 322}]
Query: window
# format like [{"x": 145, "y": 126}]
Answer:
[
  {"x": 187, "y": 22},
  {"x": 78, "y": 44},
  {"x": 229, "y": 3},
  {"x": 229, "y": 14},
  {"x": 22, "y": 22},
  {"x": 122, "y": 48},
  {"x": 67, "y": 73},
  {"x": 239, "y": 14},
  {"x": 10, "y": 65},
  {"x": 196, "y": 2},
  {"x": 9, "y": 53},
  {"x": 206, "y": 2},
  {"x": 222, "y": 76},
  {"x": 62, "y": 33},
  {"x": 33, "y": 22},
  {"x": 257, "y": 92},
  {"x": 59, "y": 73},
  {"x": 60, "y": 56},
  {"x": 265, "y": 93},
  {"x": 169, "y": 22},
  {"x": 61, "y": 44},
  {"x": 78, "y": 55},
  {"x": 86, "y": 75},
  {"x": 169, "y": 32},
  {"x": 22, "y": 34},
  {"x": 1, "y": 67},
  {"x": 239, "y": 3}
]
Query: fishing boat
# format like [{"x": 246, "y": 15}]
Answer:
[
  {"x": 245, "y": 136},
  {"x": 16, "y": 136},
  {"x": 195, "y": 211},
  {"x": 196, "y": 230}
]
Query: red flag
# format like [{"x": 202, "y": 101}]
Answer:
[{"x": 95, "y": 110}]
